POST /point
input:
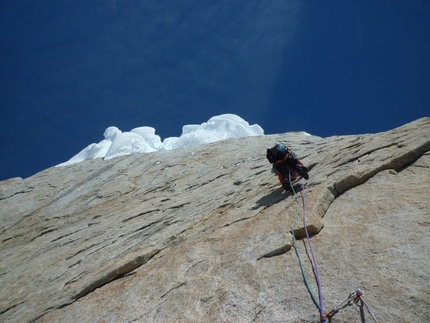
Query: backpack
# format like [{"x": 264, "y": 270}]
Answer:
[{"x": 276, "y": 153}]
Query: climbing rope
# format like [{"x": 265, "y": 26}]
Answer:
[
  {"x": 314, "y": 299},
  {"x": 317, "y": 276},
  {"x": 355, "y": 296},
  {"x": 367, "y": 307}
]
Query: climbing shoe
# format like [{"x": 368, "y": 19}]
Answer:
[
  {"x": 302, "y": 171},
  {"x": 286, "y": 183},
  {"x": 286, "y": 186}
]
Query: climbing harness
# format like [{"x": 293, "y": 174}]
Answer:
[{"x": 355, "y": 296}]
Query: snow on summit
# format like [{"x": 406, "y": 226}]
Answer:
[{"x": 144, "y": 139}]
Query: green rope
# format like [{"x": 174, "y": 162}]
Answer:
[{"x": 297, "y": 249}]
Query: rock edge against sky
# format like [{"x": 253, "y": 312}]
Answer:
[{"x": 204, "y": 233}]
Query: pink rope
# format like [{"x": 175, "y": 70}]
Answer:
[{"x": 312, "y": 253}]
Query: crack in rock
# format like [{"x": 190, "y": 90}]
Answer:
[
  {"x": 118, "y": 271},
  {"x": 172, "y": 289},
  {"x": 102, "y": 220},
  {"x": 277, "y": 252}
]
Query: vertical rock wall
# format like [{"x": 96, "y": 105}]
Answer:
[{"x": 204, "y": 234}]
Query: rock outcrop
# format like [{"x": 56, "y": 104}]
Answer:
[{"x": 203, "y": 234}]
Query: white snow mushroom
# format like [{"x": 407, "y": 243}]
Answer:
[{"x": 144, "y": 139}]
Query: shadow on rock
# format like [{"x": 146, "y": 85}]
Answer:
[{"x": 274, "y": 197}]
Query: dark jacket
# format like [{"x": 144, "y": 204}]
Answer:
[
  {"x": 280, "y": 153},
  {"x": 285, "y": 162}
]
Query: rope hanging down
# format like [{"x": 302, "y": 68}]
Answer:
[
  {"x": 356, "y": 296},
  {"x": 317, "y": 276},
  {"x": 317, "y": 304},
  {"x": 314, "y": 299}
]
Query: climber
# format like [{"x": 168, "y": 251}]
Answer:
[{"x": 286, "y": 165}]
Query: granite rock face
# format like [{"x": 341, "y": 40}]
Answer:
[{"x": 203, "y": 234}]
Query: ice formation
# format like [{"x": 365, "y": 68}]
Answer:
[{"x": 144, "y": 139}]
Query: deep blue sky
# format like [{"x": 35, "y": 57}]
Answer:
[{"x": 69, "y": 69}]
